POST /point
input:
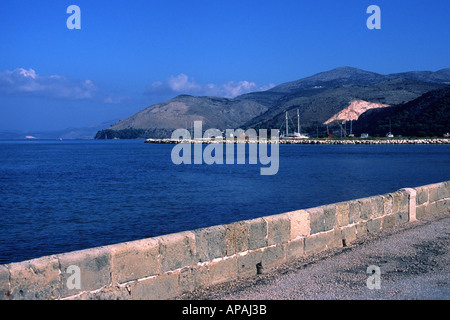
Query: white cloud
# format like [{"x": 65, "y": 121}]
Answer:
[
  {"x": 237, "y": 88},
  {"x": 115, "y": 100},
  {"x": 27, "y": 73},
  {"x": 27, "y": 82},
  {"x": 182, "y": 84}
]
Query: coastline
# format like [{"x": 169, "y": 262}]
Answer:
[{"x": 309, "y": 141}]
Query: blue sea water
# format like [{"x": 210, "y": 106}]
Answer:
[{"x": 60, "y": 196}]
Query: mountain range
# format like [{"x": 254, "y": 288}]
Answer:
[
  {"x": 317, "y": 98},
  {"x": 87, "y": 132}
]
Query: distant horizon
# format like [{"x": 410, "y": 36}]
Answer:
[{"x": 125, "y": 58}]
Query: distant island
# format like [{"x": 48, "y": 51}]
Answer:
[{"x": 343, "y": 102}]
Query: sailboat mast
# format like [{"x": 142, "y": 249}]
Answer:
[
  {"x": 287, "y": 125},
  {"x": 298, "y": 121}
]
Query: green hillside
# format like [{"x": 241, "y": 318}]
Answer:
[{"x": 426, "y": 116}]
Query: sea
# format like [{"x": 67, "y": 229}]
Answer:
[{"x": 60, "y": 196}]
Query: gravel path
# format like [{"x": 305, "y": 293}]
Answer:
[{"x": 413, "y": 261}]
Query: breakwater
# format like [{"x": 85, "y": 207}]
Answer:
[
  {"x": 166, "y": 266},
  {"x": 307, "y": 141}
]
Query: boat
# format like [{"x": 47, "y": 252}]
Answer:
[
  {"x": 295, "y": 135},
  {"x": 389, "y": 134}
]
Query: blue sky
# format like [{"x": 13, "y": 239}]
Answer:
[{"x": 131, "y": 54}]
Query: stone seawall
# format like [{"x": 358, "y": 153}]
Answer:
[
  {"x": 166, "y": 266},
  {"x": 306, "y": 141}
]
